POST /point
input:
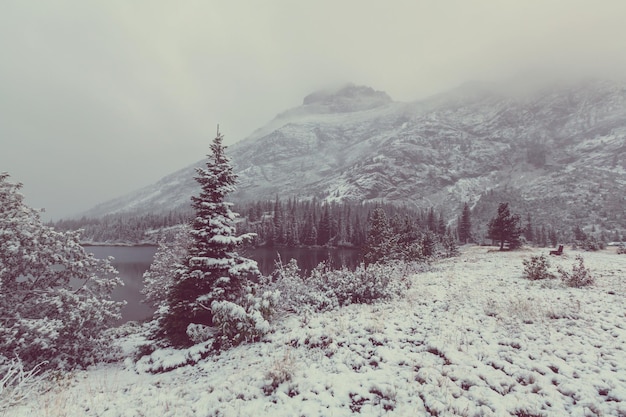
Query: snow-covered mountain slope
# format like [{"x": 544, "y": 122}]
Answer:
[{"x": 562, "y": 149}]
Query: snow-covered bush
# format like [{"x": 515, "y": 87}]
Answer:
[
  {"x": 299, "y": 292},
  {"x": 580, "y": 275},
  {"x": 55, "y": 299},
  {"x": 16, "y": 383},
  {"x": 244, "y": 321},
  {"x": 166, "y": 359},
  {"x": 199, "y": 333},
  {"x": 326, "y": 288},
  {"x": 364, "y": 285},
  {"x": 537, "y": 267}
]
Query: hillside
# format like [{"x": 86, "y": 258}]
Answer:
[
  {"x": 470, "y": 338},
  {"x": 558, "y": 153}
]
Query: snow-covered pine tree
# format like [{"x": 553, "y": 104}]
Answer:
[
  {"x": 212, "y": 270},
  {"x": 55, "y": 299},
  {"x": 159, "y": 278}
]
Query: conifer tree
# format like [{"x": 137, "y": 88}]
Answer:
[
  {"x": 428, "y": 244},
  {"x": 528, "y": 229},
  {"x": 279, "y": 223},
  {"x": 544, "y": 237},
  {"x": 212, "y": 270},
  {"x": 381, "y": 243},
  {"x": 465, "y": 225},
  {"x": 505, "y": 227},
  {"x": 159, "y": 278},
  {"x": 432, "y": 221},
  {"x": 552, "y": 236},
  {"x": 441, "y": 225},
  {"x": 324, "y": 229}
]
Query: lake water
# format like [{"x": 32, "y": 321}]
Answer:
[{"x": 133, "y": 261}]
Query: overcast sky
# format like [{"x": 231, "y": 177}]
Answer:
[{"x": 99, "y": 98}]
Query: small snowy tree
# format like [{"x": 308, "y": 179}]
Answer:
[
  {"x": 212, "y": 271},
  {"x": 55, "y": 299},
  {"x": 159, "y": 278}
]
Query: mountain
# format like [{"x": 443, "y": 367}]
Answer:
[{"x": 557, "y": 152}]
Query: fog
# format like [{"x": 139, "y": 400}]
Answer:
[{"x": 98, "y": 99}]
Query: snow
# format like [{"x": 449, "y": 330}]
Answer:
[{"x": 471, "y": 338}]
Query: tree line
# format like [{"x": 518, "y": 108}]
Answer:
[
  {"x": 275, "y": 222},
  {"x": 295, "y": 223},
  {"x": 311, "y": 222}
]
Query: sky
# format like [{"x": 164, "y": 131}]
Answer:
[{"x": 101, "y": 98}]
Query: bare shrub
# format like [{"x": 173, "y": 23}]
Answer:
[
  {"x": 537, "y": 267},
  {"x": 282, "y": 370},
  {"x": 580, "y": 275},
  {"x": 17, "y": 384}
]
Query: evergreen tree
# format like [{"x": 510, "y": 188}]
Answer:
[
  {"x": 380, "y": 243},
  {"x": 428, "y": 244},
  {"x": 579, "y": 234},
  {"x": 432, "y": 221},
  {"x": 505, "y": 227},
  {"x": 528, "y": 229},
  {"x": 324, "y": 229},
  {"x": 309, "y": 231},
  {"x": 441, "y": 225},
  {"x": 159, "y": 278},
  {"x": 552, "y": 235},
  {"x": 544, "y": 237},
  {"x": 449, "y": 245},
  {"x": 279, "y": 223},
  {"x": 212, "y": 270},
  {"x": 358, "y": 233},
  {"x": 465, "y": 225}
]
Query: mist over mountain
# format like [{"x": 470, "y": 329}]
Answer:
[{"x": 555, "y": 151}]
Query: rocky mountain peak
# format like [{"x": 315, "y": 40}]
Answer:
[{"x": 348, "y": 98}]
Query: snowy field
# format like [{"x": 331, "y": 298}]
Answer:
[{"x": 471, "y": 338}]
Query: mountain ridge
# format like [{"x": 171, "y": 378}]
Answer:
[{"x": 562, "y": 149}]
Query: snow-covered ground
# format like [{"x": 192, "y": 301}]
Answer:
[{"x": 471, "y": 338}]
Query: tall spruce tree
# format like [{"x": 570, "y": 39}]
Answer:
[
  {"x": 212, "y": 270},
  {"x": 505, "y": 227},
  {"x": 465, "y": 225}
]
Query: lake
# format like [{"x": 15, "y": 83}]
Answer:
[{"x": 133, "y": 261}]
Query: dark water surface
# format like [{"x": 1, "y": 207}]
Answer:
[{"x": 133, "y": 261}]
